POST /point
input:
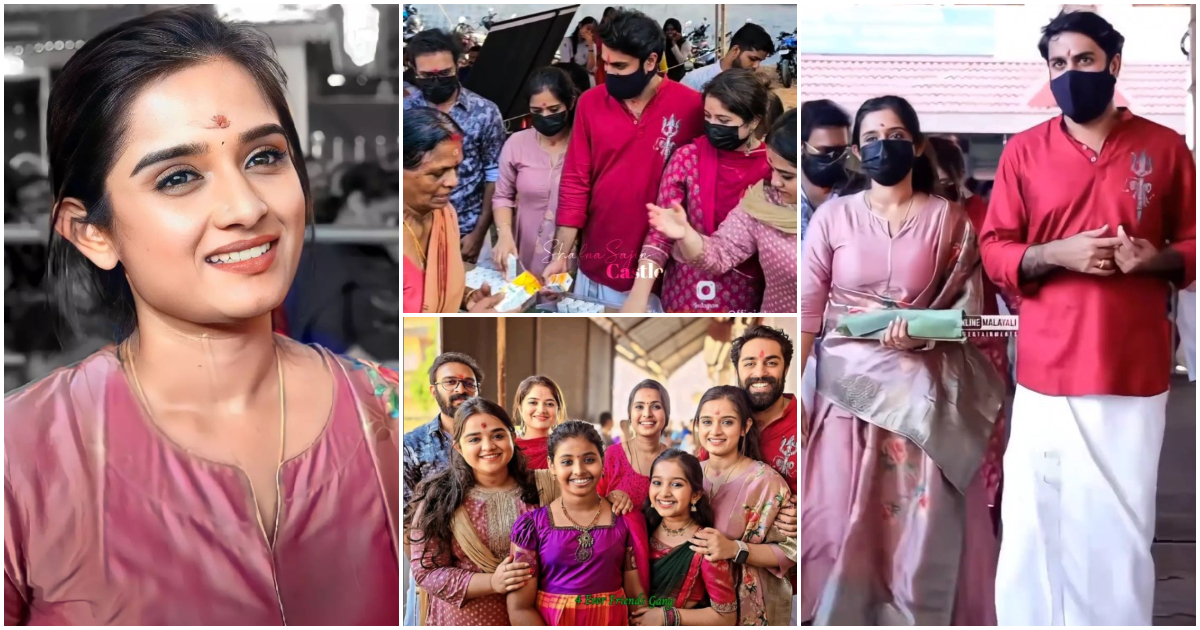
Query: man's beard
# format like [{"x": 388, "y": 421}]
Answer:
[
  {"x": 451, "y": 404},
  {"x": 760, "y": 401}
]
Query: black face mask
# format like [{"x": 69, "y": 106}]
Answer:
[
  {"x": 888, "y": 162},
  {"x": 825, "y": 170},
  {"x": 723, "y": 136},
  {"x": 438, "y": 90},
  {"x": 626, "y": 86},
  {"x": 550, "y": 125},
  {"x": 1083, "y": 96}
]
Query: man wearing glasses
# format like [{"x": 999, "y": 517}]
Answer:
[{"x": 453, "y": 378}]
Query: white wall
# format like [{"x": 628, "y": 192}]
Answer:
[{"x": 1152, "y": 34}]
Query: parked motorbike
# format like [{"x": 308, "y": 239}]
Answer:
[
  {"x": 412, "y": 21},
  {"x": 786, "y": 47},
  {"x": 703, "y": 53}
]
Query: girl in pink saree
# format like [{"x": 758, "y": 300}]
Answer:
[{"x": 894, "y": 511}]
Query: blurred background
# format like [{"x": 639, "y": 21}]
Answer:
[
  {"x": 595, "y": 360},
  {"x": 343, "y": 67}
]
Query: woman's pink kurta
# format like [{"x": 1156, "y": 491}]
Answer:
[
  {"x": 107, "y": 523},
  {"x": 529, "y": 178}
]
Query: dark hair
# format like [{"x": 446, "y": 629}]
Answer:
[
  {"x": 1086, "y": 23},
  {"x": 782, "y": 139},
  {"x": 607, "y": 11},
  {"x": 946, "y": 154},
  {"x": 605, "y": 418},
  {"x": 442, "y": 493},
  {"x": 578, "y": 74},
  {"x": 633, "y": 33},
  {"x": 762, "y": 332},
  {"x": 753, "y": 37},
  {"x": 821, "y": 113},
  {"x": 476, "y": 48},
  {"x": 672, "y": 22},
  {"x": 747, "y": 445},
  {"x": 424, "y": 129},
  {"x": 454, "y": 357},
  {"x": 88, "y": 117},
  {"x": 523, "y": 391},
  {"x": 704, "y": 515},
  {"x": 742, "y": 93},
  {"x": 924, "y": 177},
  {"x": 775, "y": 111},
  {"x": 574, "y": 429},
  {"x": 430, "y": 42},
  {"x": 662, "y": 394},
  {"x": 554, "y": 80},
  {"x": 574, "y": 36}
]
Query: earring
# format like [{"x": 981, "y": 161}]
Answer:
[{"x": 693, "y": 507}]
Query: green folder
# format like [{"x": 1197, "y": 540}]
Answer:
[{"x": 945, "y": 325}]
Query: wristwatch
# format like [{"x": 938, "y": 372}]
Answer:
[{"x": 743, "y": 553}]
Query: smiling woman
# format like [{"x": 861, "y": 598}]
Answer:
[{"x": 203, "y": 471}]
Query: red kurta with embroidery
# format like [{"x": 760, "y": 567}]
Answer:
[
  {"x": 1084, "y": 334},
  {"x": 613, "y": 168}
]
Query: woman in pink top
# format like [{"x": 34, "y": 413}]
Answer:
[
  {"x": 531, "y": 166},
  {"x": 764, "y": 224},
  {"x": 894, "y": 518},
  {"x": 203, "y": 471},
  {"x": 709, "y": 177}
]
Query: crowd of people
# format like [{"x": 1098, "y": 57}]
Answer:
[
  {"x": 659, "y": 191},
  {"x": 1089, "y": 225},
  {"x": 523, "y": 516}
]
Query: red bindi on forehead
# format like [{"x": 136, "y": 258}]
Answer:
[
  {"x": 485, "y": 425},
  {"x": 220, "y": 121},
  {"x": 762, "y": 354}
]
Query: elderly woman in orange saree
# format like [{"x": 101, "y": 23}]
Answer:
[
  {"x": 434, "y": 275},
  {"x": 894, "y": 511}
]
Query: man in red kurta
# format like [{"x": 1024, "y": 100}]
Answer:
[
  {"x": 1092, "y": 219},
  {"x": 624, "y": 133}
]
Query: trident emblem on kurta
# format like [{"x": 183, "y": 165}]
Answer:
[
  {"x": 670, "y": 127},
  {"x": 1142, "y": 166}
]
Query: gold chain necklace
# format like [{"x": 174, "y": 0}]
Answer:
[
  {"x": 416, "y": 241},
  {"x": 727, "y": 474},
  {"x": 584, "y": 540},
  {"x": 676, "y": 532},
  {"x": 282, "y": 429}
]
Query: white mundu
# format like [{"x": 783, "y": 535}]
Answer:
[{"x": 1080, "y": 476}]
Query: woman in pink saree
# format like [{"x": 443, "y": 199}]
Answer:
[
  {"x": 894, "y": 517},
  {"x": 204, "y": 471}
]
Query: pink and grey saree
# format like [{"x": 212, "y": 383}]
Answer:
[{"x": 893, "y": 510}]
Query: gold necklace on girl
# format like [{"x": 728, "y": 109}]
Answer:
[
  {"x": 584, "y": 540},
  {"x": 676, "y": 532}
]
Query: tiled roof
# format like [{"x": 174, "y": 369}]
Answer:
[{"x": 962, "y": 85}]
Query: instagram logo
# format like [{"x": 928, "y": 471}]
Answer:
[{"x": 706, "y": 290}]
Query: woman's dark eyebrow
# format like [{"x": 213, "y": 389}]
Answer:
[
  {"x": 260, "y": 131},
  {"x": 197, "y": 148},
  {"x": 182, "y": 150}
]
